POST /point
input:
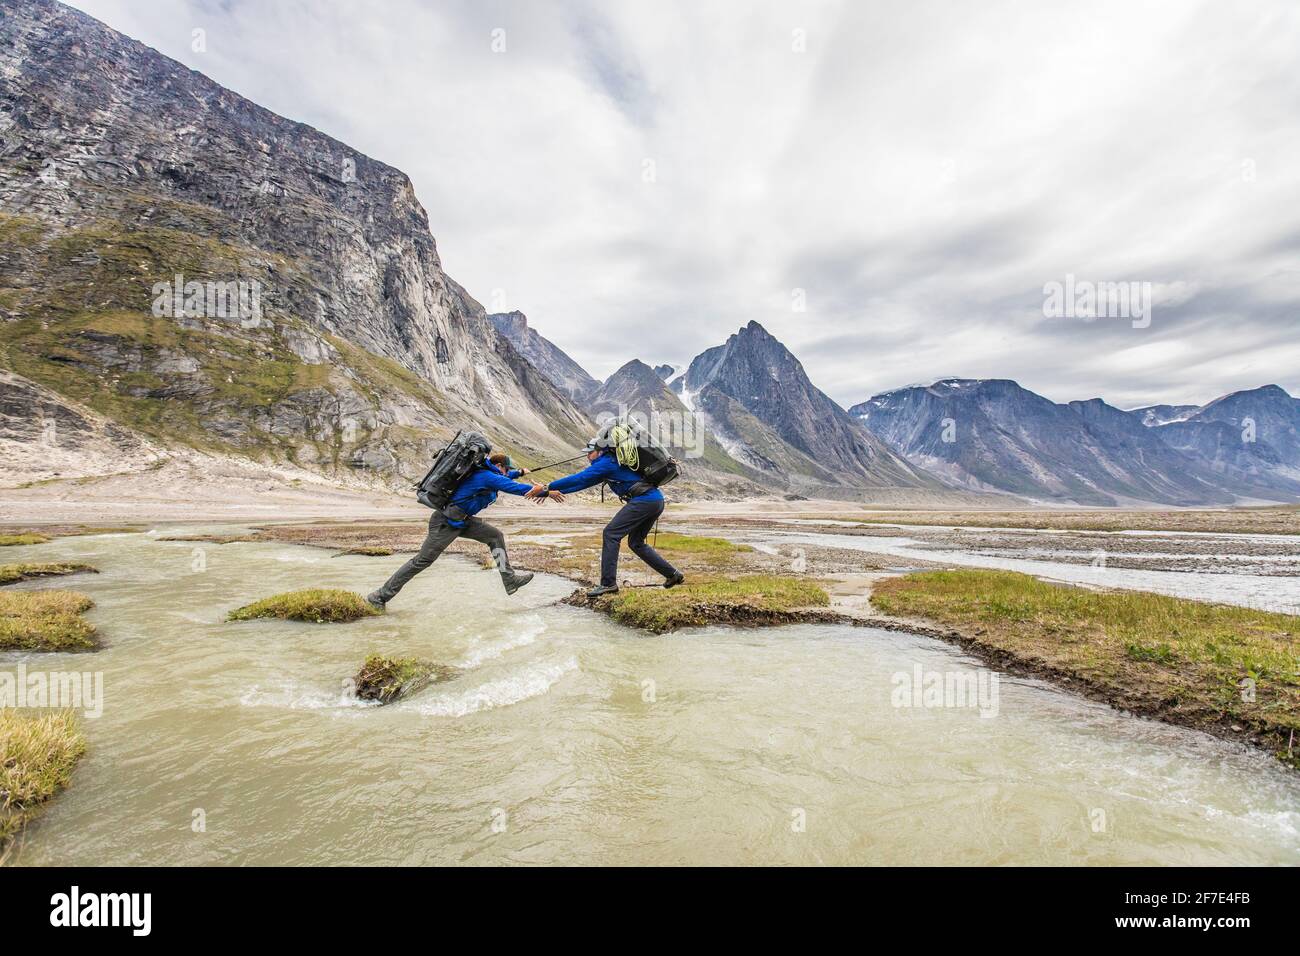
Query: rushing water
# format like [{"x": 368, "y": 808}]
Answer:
[{"x": 568, "y": 739}]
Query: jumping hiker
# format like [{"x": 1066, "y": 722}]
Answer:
[
  {"x": 457, "y": 520},
  {"x": 644, "y": 503}
]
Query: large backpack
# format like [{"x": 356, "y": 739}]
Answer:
[
  {"x": 636, "y": 449},
  {"x": 453, "y": 464}
]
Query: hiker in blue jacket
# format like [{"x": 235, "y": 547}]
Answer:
[
  {"x": 458, "y": 520},
  {"x": 633, "y": 521}
]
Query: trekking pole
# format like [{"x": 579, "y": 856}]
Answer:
[{"x": 554, "y": 463}]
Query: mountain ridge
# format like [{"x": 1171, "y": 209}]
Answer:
[
  {"x": 129, "y": 169},
  {"x": 547, "y": 357},
  {"x": 993, "y": 434}
]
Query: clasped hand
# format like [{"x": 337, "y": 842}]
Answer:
[{"x": 539, "y": 493}]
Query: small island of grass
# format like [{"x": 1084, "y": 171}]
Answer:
[
  {"x": 315, "y": 605},
  {"x": 45, "y": 621},
  {"x": 387, "y": 679},
  {"x": 750, "y": 599}
]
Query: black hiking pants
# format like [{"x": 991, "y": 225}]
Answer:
[
  {"x": 442, "y": 534},
  {"x": 633, "y": 521}
]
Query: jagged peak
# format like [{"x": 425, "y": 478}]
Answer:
[{"x": 635, "y": 367}]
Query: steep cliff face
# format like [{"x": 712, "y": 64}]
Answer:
[
  {"x": 126, "y": 179},
  {"x": 757, "y": 399},
  {"x": 547, "y": 357}
]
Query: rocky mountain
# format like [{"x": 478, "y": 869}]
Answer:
[
  {"x": 201, "y": 271},
  {"x": 635, "y": 386},
  {"x": 995, "y": 435},
  {"x": 547, "y": 357},
  {"x": 638, "y": 391},
  {"x": 1152, "y": 415},
  {"x": 1250, "y": 438},
  {"x": 756, "y": 399}
]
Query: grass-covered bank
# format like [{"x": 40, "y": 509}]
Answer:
[
  {"x": 17, "y": 535},
  {"x": 37, "y": 756},
  {"x": 45, "y": 621},
  {"x": 1215, "y": 667},
  {"x": 13, "y": 573},
  {"x": 748, "y": 600},
  {"x": 21, "y": 539}
]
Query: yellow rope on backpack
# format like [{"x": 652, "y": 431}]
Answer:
[{"x": 625, "y": 446}]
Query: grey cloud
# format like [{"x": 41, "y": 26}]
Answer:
[{"x": 921, "y": 170}]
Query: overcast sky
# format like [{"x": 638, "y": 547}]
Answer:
[{"x": 642, "y": 178}]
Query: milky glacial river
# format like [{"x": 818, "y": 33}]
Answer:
[{"x": 569, "y": 739}]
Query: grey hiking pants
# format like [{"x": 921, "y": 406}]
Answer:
[
  {"x": 633, "y": 521},
  {"x": 442, "y": 534}
]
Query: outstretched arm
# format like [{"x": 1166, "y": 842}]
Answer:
[
  {"x": 589, "y": 477},
  {"x": 499, "y": 482}
]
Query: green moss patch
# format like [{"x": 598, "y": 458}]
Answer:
[
  {"x": 14, "y": 540},
  {"x": 11, "y": 573},
  {"x": 387, "y": 679},
  {"x": 316, "y": 605},
  {"x": 748, "y": 600},
  {"x": 37, "y": 756},
  {"x": 368, "y": 550},
  {"x": 45, "y": 621},
  {"x": 695, "y": 544}
]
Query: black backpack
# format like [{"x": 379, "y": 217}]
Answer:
[
  {"x": 453, "y": 464},
  {"x": 637, "y": 449}
]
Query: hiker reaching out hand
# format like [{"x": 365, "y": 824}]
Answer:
[
  {"x": 459, "y": 519},
  {"x": 643, "y": 503}
]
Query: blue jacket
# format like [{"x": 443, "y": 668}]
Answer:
[
  {"x": 605, "y": 468},
  {"x": 480, "y": 489}
]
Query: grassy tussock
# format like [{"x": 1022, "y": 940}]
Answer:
[
  {"x": 386, "y": 679},
  {"x": 1187, "y": 655},
  {"x": 14, "y": 540},
  {"x": 11, "y": 573},
  {"x": 713, "y": 600},
  {"x": 695, "y": 544},
  {"x": 367, "y": 550},
  {"x": 316, "y": 605},
  {"x": 45, "y": 621},
  {"x": 37, "y": 755}
]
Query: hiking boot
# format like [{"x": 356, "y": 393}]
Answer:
[
  {"x": 675, "y": 580},
  {"x": 603, "y": 589},
  {"x": 515, "y": 580},
  {"x": 375, "y": 601}
]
